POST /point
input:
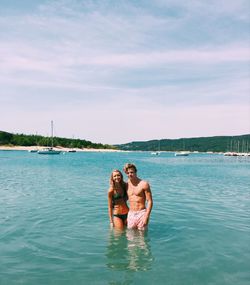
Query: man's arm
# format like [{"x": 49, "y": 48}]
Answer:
[{"x": 149, "y": 200}]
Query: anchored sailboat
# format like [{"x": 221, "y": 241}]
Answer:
[
  {"x": 50, "y": 150},
  {"x": 183, "y": 152},
  {"x": 159, "y": 149}
]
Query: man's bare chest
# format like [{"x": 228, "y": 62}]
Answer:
[{"x": 135, "y": 190}]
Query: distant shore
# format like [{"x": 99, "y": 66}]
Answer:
[{"x": 63, "y": 149}]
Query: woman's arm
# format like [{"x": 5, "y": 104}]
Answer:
[{"x": 110, "y": 205}]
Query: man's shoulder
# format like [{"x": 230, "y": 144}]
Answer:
[{"x": 144, "y": 184}]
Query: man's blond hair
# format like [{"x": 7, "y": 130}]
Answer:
[{"x": 127, "y": 166}]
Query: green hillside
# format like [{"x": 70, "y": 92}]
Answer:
[
  {"x": 31, "y": 140},
  {"x": 203, "y": 144}
]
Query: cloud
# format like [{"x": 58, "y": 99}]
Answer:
[{"x": 100, "y": 61}]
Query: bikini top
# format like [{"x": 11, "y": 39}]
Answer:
[{"x": 118, "y": 196}]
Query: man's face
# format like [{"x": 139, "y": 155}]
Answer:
[{"x": 131, "y": 173}]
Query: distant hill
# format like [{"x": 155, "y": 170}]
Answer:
[
  {"x": 239, "y": 143},
  {"x": 31, "y": 140}
]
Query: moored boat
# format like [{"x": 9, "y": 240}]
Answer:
[
  {"x": 33, "y": 150},
  {"x": 182, "y": 153},
  {"x": 49, "y": 150},
  {"x": 155, "y": 153}
]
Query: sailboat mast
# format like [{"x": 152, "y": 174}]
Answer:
[{"x": 52, "y": 133}]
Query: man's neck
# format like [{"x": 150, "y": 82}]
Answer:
[{"x": 135, "y": 180}]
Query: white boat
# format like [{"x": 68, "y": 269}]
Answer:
[
  {"x": 49, "y": 150},
  {"x": 155, "y": 153},
  {"x": 159, "y": 149},
  {"x": 33, "y": 150},
  {"x": 230, "y": 154},
  {"x": 236, "y": 154},
  {"x": 182, "y": 153}
]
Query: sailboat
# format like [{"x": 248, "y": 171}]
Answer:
[
  {"x": 183, "y": 152},
  {"x": 159, "y": 149},
  {"x": 33, "y": 150},
  {"x": 49, "y": 150}
]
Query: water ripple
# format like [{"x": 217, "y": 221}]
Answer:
[{"x": 54, "y": 222}]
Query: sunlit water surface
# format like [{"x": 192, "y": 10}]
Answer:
[{"x": 54, "y": 226}]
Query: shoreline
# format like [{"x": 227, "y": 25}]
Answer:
[{"x": 63, "y": 149}]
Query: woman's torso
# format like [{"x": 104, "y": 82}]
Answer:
[{"x": 120, "y": 201}]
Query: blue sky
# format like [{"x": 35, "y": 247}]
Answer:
[{"x": 122, "y": 71}]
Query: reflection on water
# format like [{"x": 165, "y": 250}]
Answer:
[
  {"x": 129, "y": 250},
  {"x": 139, "y": 251},
  {"x": 117, "y": 250}
]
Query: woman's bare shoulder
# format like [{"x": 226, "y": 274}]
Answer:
[{"x": 111, "y": 190}]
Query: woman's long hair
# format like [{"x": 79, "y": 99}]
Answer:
[{"x": 122, "y": 182}]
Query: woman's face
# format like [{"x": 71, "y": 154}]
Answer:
[{"x": 116, "y": 177}]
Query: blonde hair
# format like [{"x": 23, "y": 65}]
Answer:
[{"x": 129, "y": 165}]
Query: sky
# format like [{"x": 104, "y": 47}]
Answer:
[{"x": 117, "y": 71}]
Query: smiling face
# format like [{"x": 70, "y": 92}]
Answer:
[{"x": 116, "y": 176}]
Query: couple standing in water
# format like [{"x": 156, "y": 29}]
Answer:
[{"x": 137, "y": 192}]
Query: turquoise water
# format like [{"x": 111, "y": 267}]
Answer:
[{"x": 54, "y": 226}]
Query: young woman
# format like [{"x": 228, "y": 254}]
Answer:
[{"x": 117, "y": 200}]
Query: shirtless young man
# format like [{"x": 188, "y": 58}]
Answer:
[{"x": 140, "y": 199}]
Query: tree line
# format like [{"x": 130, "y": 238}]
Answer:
[
  {"x": 38, "y": 140},
  {"x": 203, "y": 144}
]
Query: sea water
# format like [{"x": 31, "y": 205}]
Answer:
[{"x": 54, "y": 226}]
